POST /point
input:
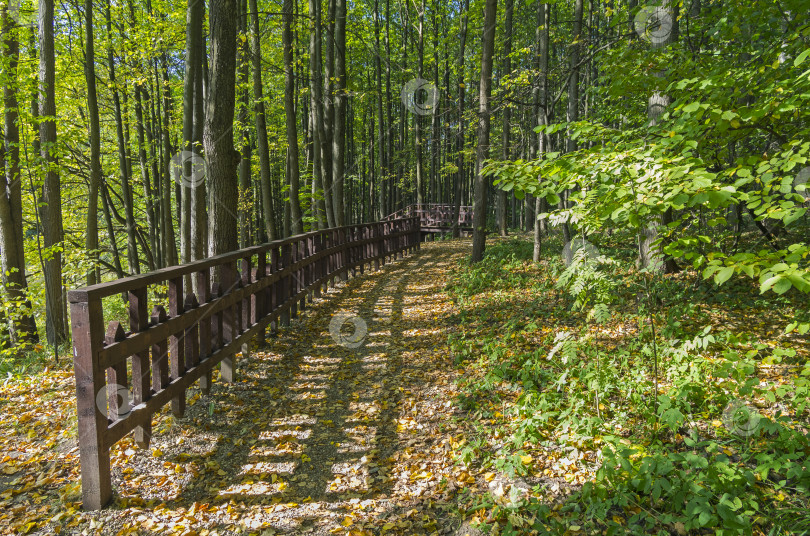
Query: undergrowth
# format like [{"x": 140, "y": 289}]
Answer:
[{"x": 629, "y": 402}]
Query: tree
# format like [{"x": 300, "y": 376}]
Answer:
[
  {"x": 91, "y": 242},
  {"x": 193, "y": 69},
  {"x": 294, "y": 171},
  {"x": 261, "y": 126},
  {"x": 15, "y": 283},
  {"x": 541, "y": 111},
  {"x": 507, "y": 113},
  {"x": 217, "y": 135},
  {"x": 51, "y": 207},
  {"x": 339, "y": 128},
  {"x": 482, "y": 151}
]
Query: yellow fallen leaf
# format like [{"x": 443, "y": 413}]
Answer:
[
  {"x": 347, "y": 522},
  {"x": 527, "y": 459}
]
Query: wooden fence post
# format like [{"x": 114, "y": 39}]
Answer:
[
  {"x": 87, "y": 325},
  {"x": 176, "y": 346},
  {"x": 139, "y": 321},
  {"x": 204, "y": 291}
]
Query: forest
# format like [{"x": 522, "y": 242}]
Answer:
[{"x": 614, "y": 341}]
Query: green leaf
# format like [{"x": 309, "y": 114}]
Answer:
[
  {"x": 801, "y": 57},
  {"x": 723, "y": 275}
]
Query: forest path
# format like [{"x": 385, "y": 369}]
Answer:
[{"x": 317, "y": 437}]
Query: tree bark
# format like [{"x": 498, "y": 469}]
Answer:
[
  {"x": 217, "y": 136},
  {"x": 316, "y": 114},
  {"x": 485, "y": 90},
  {"x": 541, "y": 112},
  {"x": 649, "y": 254},
  {"x": 261, "y": 127},
  {"x": 194, "y": 28},
  {"x": 339, "y": 129},
  {"x": 294, "y": 171},
  {"x": 23, "y": 326},
  {"x": 507, "y": 113},
  {"x": 123, "y": 159},
  {"x": 459, "y": 176},
  {"x": 51, "y": 209},
  {"x": 91, "y": 241}
]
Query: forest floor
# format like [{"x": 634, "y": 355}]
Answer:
[
  {"x": 315, "y": 437},
  {"x": 479, "y": 395}
]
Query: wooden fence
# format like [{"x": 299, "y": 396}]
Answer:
[{"x": 124, "y": 377}]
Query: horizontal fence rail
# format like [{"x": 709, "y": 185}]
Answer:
[
  {"x": 215, "y": 306},
  {"x": 434, "y": 217}
]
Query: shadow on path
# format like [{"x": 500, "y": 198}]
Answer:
[{"x": 316, "y": 436}]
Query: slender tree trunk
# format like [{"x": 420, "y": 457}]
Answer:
[
  {"x": 217, "y": 136},
  {"x": 123, "y": 159},
  {"x": 381, "y": 144},
  {"x": 91, "y": 241},
  {"x": 51, "y": 208},
  {"x": 541, "y": 112},
  {"x": 261, "y": 126},
  {"x": 417, "y": 119},
  {"x": 459, "y": 177},
  {"x": 24, "y": 327},
  {"x": 194, "y": 23},
  {"x": 294, "y": 171},
  {"x": 199, "y": 222},
  {"x": 169, "y": 243},
  {"x": 482, "y": 153},
  {"x": 244, "y": 67},
  {"x": 649, "y": 254},
  {"x": 339, "y": 131},
  {"x": 316, "y": 116},
  {"x": 507, "y": 113}
]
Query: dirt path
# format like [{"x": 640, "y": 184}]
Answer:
[{"x": 322, "y": 433}]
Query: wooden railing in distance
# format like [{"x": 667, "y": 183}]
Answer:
[
  {"x": 124, "y": 377},
  {"x": 434, "y": 216}
]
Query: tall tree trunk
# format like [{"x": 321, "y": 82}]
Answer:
[
  {"x": 169, "y": 243},
  {"x": 145, "y": 179},
  {"x": 245, "y": 146},
  {"x": 339, "y": 130},
  {"x": 51, "y": 208},
  {"x": 316, "y": 117},
  {"x": 294, "y": 171},
  {"x": 217, "y": 136},
  {"x": 573, "y": 97},
  {"x": 389, "y": 105},
  {"x": 329, "y": 114},
  {"x": 194, "y": 28},
  {"x": 123, "y": 158},
  {"x": 417, "y": 119},
  {"x": 24, "y": 327},
  {"x": 541, "y": 112},
  {"x": 482, "y": 153},
  {"x": 459, "y": 177},
  {"x": 507, "y": 113},
  {"x": 651, "y": 256},
  {"x": 91, "y": 242},
  {"x": 261, "y": 126},
  {"x": 381, "y": 145},
  {"x": 199, "y": 221}
]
